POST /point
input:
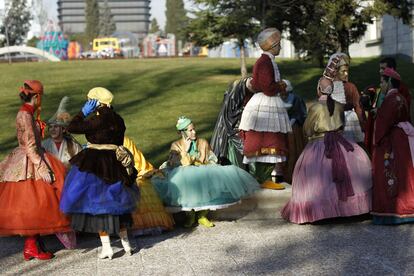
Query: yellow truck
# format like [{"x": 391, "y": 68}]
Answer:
[{"x": 107, "y": 44}]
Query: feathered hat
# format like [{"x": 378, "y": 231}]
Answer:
[{"x": 62, "y": 116}]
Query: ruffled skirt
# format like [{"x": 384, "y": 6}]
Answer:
[
  {"x": 266, "y": 114},
  {"x": 150, "y": 216},
  {"x": 204, "y": 187},
  {"x": 314, "y": 194},
  {"x": 86, "y": 193},
  {"x": 31, "y": 207},
  {"x": 111, "y": 224}
]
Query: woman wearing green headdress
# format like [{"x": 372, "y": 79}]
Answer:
[{"x": 194, "y": 183}]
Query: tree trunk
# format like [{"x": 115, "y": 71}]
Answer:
[
  {"x": 343, "y": 42},
  {"x": 263, "y": 23},
  {"x": 320, "y": 59},
  {"x": 243, "y": 68}
]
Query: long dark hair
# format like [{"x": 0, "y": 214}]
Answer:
[
  {"x": 26, "y": 97},
  {"x": 70, "y": 140}
]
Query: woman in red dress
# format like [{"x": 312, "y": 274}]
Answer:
[
  {"x": 393, "y": 171},
  {"x": 31, "y": 181}
]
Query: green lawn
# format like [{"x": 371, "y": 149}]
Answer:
[{"x": 151, "y": 93}]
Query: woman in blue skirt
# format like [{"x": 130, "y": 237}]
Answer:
[
  {"x": 100, "y": 191},
  {"x": 193, "y": 182}
]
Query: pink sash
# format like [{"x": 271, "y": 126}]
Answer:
[{"x": 409, "y": 130}]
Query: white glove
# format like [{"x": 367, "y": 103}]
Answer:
[
  {"x": 45, "y": 174},
  {"x": 47, "y": 178}
]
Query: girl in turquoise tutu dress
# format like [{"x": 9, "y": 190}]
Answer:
[{"x": 193, "y": 182}]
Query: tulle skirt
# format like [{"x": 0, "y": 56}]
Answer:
[
  {"x": 314, "y": 194},
  {"x": 150, "y": 216},
  {"x": 86, "y": 193},
  {"x": 204, "y": 187},
  {"x": 111, "y": 224},
  {"x": 31, "y": 207},
  {"x": 264, "y": 113}
]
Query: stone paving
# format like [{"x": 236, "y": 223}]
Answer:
[{"x": 259, "y": 242}]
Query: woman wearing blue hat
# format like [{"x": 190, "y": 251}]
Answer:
[{"x": 194, "y": 183}]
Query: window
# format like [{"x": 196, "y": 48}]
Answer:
[{"x": 374, "y": 29}]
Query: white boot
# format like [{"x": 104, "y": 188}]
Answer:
[
  {"x": 106, "y": 251},
  {"x": 125, "y": 242}
]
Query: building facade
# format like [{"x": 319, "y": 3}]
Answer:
[
  {"x": 386, "y": 36},
  {"x": 129, "y": 15}
]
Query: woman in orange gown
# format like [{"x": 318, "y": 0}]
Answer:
[{"x": 31, "y": 181}]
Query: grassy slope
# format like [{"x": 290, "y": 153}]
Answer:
[{"x": 150, "y": 94}]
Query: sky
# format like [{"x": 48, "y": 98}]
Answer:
[{"x": 157, "y": 9}]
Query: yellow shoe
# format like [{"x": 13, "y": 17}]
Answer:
[
  {"x": 190, "y": 219},
  {"x": 268, "y": 184},
  {"x": 204, "y": 221}
]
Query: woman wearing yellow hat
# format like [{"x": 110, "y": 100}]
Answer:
[
  {"x": 194, "y": 183},
  {"x": 100, "y": 191}
]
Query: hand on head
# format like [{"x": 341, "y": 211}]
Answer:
[{"x": 89, "y": 106}]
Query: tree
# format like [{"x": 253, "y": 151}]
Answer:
[
  {"x": 322, "y": 27},
  {"x": 273, "y": 13},
  {"x": 41, "y": 17},
  {"x": 219, "y": 20},
  {"x": 176, "y": 19},
  {"x": 40, "y": 14},
  {"x": 92, "y": 19},
  {"x": 33, "y": 41},
  {"x": 311, "y": 34},
  {"x": 16, "y": 23},
  {"x": 107, "y": 24},
  {"x": 154, "y": 26}
]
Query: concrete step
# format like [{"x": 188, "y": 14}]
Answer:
[{"x": 264, "y": 204}]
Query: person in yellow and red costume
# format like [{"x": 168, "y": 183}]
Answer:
[{"x": 31, "y": 181}]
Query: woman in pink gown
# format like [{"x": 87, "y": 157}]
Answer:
[{"x": 332, "y": 177}]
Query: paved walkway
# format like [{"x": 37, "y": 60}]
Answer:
[{"x": 258, "y": 243}]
